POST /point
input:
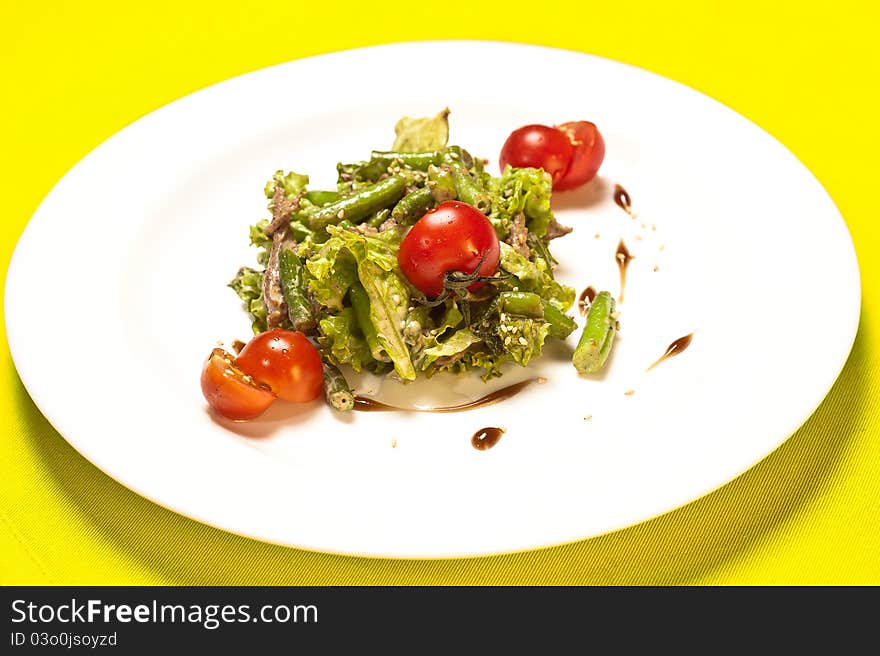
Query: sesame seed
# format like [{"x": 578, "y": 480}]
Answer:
[
  {"x": 340, "y": 214},
  {"x": 629, "y": 392},
  {"x": 522, "y": 340}
]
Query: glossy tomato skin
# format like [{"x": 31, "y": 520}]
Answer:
[
  {"x": 286, "y": 361},
  {"x": 230, "y": 391},
  {"x": 588, "y": 151},
  {"x": 538, "y": 146},
  {"x": 454, "y": 236}
]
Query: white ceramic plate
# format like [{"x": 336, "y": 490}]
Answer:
[{"x": 735, "y": 241}]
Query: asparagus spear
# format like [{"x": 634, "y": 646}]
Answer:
[
  {"x": 378, "y": 218},
  {"x": 299, "y": 310},
  {"x": 336, "y": 389},
  {"x": 361, "y": 304},
  {"x": 598, "y": 336},
  {"x": 529, "y": 304},
  {"x": 358, "y": 206},
  {"x": 413, "y": 206},
  {"x": 416, "y": 161},
  {"x": 470, "y": 191}
]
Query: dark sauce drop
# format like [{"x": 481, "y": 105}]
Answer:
[
  {"x": 675, "y": 348},
  {"x": 622, "y": 199},
  {"x": 237, "y": 345},
  {"x": 586, "y": 299},
  {"x": 366, "y": 404},
  {"x": 623, "y": 257},
  {"x": 486, "y": 438}
]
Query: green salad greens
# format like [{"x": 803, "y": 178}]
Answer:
[{"x": 327, "y": 263}]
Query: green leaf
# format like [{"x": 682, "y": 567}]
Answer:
[
  {"x": 377, "y": 269},
  {"x": 248, "y": 284},
  {"x": 332, "y": 270},
  {"x": 420, "y": 134},
  {"x": 534, "y": 276},
  {"x": 342, "y": 339},
  {"x": 458, "y": 342},
  {"x": 292, "y": 183},
  {"x": 525, "y": 190}
]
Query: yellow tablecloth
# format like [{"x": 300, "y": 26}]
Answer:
[{"x": 73, "y": 73}]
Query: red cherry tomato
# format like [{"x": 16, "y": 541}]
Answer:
[
  {"x": 453, "y": 236},
  {"x": 286, "y": 361},
  {"x": 230, "y": 391},
  {"x": 588, "y": 153},
  {"x": 540, "y": 147}
]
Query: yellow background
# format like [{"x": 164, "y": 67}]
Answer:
[{"x": 73, "y": 73}]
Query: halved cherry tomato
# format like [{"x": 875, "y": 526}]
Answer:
[
  {"x": 230, "y": 391},
  {"x": 286, "y": 361},
  {"x": 454, "y": 236},
  {"x": 570, "y": 152},
  {"x": 588, "y": 153},
  {"x": 538, "y": 146}
]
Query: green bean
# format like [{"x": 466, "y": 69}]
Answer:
[
  {"x": 416, "y": 161},
  {"x": 530, "y": 304},
  {"x": 379, "y": 218},
  {"x": 358, "y": 206},
  {"x": 299, "y": 309},
  {"x": 561, "y": 325},
  {"x": 360, "y": 302},
  {"x": 457, "y": 156},
  {"x": 336, "y": 389},
  {"x": 527, "y": 304},
  {"x": 371, "y": 171},
  {"x": 470, "y": 191},
  {"x": 441, "y": 183},
  {"x": 413, "y": 206},
  {"x": 319, "y": 197},
  {"x": 301, "y": 231},
  {"x": 598, "y": 336}
]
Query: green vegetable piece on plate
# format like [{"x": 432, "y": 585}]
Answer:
[
  {"x": 336, "y": 389},
  {"x": 598, "y": 336},
  {"x": 293, "y": 287},
  {"x": 428, "y": 133}
]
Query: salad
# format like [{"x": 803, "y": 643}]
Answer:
[{"x": 419, "y": 262}]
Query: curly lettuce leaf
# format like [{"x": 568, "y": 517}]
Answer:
[
  {"x": 342, "y": 339},
  {"x": 525, "y": 190},
  {"x": 292, "y": 183},
  {"x": 377, "y": 269},
  {"x": 380, "y": 248},
  {"x": 535, "y": 276},
  {"x": 331, "y": 271},
  {"x": 459, "y": 342},
  {"x": 248, "y": 284},
  {"x": 418, "y": 134},
  {"x": 488, "y": 362}
]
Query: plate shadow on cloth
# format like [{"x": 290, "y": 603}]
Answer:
[{"x": 681, "y": 546}]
